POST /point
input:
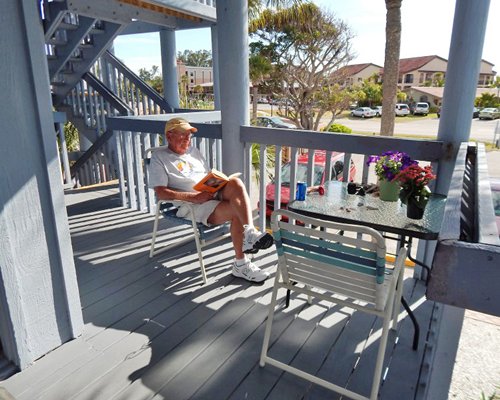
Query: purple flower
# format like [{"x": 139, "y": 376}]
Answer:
[{"x": 390, "y": 163}]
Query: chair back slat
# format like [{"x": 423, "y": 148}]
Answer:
[{"x": 323, "y": 258}]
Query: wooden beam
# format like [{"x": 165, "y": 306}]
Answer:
[{"x": 160, "y": 9}]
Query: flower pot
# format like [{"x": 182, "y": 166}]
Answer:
[
  {"x": 389, "y": 191},
  {"x": 413, "y": 210}
]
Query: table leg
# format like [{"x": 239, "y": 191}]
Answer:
[
  {"x": 416, "y": 327},
  {"x": 425, "y": 266},
  {"x": 416, "y": 335}
]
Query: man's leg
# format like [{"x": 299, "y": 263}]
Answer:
[{"x": 235, "y": 207}]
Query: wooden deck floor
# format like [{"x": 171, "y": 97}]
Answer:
[{"x": 152, "y": 331}]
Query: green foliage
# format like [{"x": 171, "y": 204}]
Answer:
[
  {"x": 433, "y": 109},
  {"x": 339, "y": 128},
  {"x": 71, "y": 136},
  {"x": 198, "y": 58},
  {"x": 372, "y": 92},
  {"x": 152, "y": 77},
  {"x": 487, "y": 100}
]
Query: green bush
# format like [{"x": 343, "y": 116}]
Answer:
[
  {"x": 339, "y": 128},
  {"x": 433, "y": 109}
]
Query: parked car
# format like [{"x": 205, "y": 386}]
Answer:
[
  {"x": 262, "y": 100},
  {"x": 402, "y": 110},
  {"x": 475, "y": 112},
  {"x": 421, "y": 109},
  {"x": 274, "y": 122},
  {"x": 337, "y": 162},
  {"x": 378, "y": 111},
  {"x": 489, "y": 113},
  {"x": 363, "y": 112},
  {"x": 495, "y": 194}
]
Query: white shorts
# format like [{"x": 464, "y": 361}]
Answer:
[{"x": 201, "y": 211}]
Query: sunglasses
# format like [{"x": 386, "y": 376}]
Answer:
[{"x": 182, "y": 134}]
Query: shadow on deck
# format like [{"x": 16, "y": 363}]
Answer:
[{"x": 153, "y": 331}]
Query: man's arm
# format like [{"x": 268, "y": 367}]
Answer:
[{"x": 164, "y": 193}]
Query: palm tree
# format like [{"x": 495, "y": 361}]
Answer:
[
  {"x": 391, "y": 65},
  {"x": 260, "y": 67}
]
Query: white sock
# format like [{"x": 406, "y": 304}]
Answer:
[{"x": 240, "y": 261}]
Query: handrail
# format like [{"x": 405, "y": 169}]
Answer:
[
  {"x": 143, "y": 86},
  {"x": 466, "y": 266},
  {"x": 107, "y": 94}
]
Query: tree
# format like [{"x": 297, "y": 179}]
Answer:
[
  {"x": 305, "y": 56},
  {"x": 259, "y": 68},
  {"x": 334, "y": 99},
  {"x": 391, "y": 65},
  {"x": 487, "y": 100},
  {"x": 198, "y": 58},
  {"x": 372, "y": 91},
  {"x": 438, "y": 79},
  {"x": 152, "y": 77}
]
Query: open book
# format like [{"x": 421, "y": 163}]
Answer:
[{"x": 214, "y": 181}]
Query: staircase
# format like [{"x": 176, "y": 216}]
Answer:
[{"x": 89, "y": 83}]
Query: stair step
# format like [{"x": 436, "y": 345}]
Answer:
[
  {"x": 68, "y": 26},
  {"x": 97, "y": 31},
  {"x": 56, "y": 41}
]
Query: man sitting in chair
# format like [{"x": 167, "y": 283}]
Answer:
[{"x": 173, "y": 173}]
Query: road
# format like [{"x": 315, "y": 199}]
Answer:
[{"x": 480, "y": 130}]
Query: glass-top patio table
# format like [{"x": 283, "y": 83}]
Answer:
[
  {"x": 384, "y": 216},
  {"x": 368, "y": 210}
]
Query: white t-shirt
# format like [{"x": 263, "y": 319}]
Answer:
[{"x": 176, "y": 171}]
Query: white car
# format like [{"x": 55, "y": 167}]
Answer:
[
  {"x": 421, "y": 108},
  {"x": 402, "y": 110},
  {"x": 489, "y": 113},
  {"x": 363, "y": 112},
  {"x": 378, "y": 111}
]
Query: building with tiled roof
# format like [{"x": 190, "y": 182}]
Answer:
[
  {"x": 423, "y": 71},
  {"x": 357, "y": 73}
]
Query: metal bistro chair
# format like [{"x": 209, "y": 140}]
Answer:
[
  {"x": 342, "y": 269},
  {"x": 203, "y": 235}
]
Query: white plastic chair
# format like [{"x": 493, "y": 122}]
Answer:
[
  {"x": 342, "y": 269},
  {"x": 202, "y": 235}
]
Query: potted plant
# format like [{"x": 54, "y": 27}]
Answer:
[
  {"x": 387, "y": 166},
  {"x": 414, "y": 190}
]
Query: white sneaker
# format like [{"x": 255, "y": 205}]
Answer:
[
  {"x": 250, "y": 272},
  {"x": 253, "y": 240}
]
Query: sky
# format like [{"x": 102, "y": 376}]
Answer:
[{"x": 426, "y": 30}]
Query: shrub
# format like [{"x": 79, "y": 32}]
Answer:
[
  {"x": 433, "y": 109},
  {"x": 339, "y": 128}
]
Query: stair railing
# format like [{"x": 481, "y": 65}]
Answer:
[
  {"x": 91, "y": 102},
  {"x": 143, "y": 99}
]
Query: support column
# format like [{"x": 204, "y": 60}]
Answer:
[
  {"x": 215, "y": 67},
  {"x": 169, "y": 67},
  {"x": 464, "y": 60},
  {"x": 232, "y": 35},
  {"x": 39, "y": 300}
]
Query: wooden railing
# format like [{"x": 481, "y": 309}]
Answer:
[
  {"x": 134, "y": 135},
  {"x": 466, "y": 267},
  {"x": 353, "y": 146}
]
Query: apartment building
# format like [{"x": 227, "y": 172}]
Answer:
[{"x": 195, "y": 76}]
